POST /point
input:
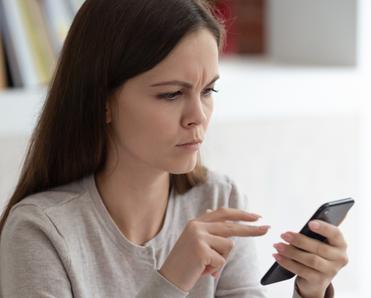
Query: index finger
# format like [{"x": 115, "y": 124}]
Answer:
[
  {"x": 234, "y": 229},
  {"x": 232, "y": 214},
  {"x": 331, "y": 232}
]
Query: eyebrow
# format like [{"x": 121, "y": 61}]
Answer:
[{"x": 182, "y": 83}]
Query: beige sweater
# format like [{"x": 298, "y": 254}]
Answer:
[{"x": 63, "y": 243}]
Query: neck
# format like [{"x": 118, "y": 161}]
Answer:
[{"x": 136, "y": 200}]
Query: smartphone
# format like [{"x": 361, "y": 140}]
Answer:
[{"x": 332, "y": 212}]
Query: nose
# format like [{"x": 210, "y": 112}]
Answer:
[{"x": 196, "y": 112}]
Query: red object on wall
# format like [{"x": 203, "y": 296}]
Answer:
[
  {"x": 225, "y": 8},
  {"x": 245, "y": 25}
]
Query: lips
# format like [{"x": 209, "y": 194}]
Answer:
[{"x": 192, "y": 142}]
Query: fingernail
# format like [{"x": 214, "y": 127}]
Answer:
[
  {"x": 279, "y": 247},
  {"x": 314, "y": 225},
  {"x": 208, "y": 210},
  {"x": 264, "y": 227},
  {"x": 287, "y": 237},
  {"x": 255, "y": 215},
  {"x": 277, "y": 257}
]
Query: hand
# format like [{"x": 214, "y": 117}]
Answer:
[
  {"x": 203, "y": 246},
  {"x": 315, "y": 262}
]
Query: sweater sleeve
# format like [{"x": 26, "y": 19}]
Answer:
[
  {"x": 33, "y": 256},
  {"x": 240, "y": 276},
  {"x": 330, "y": 292},
  {"x": 160, "y": 287}
]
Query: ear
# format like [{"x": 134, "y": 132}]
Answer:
[{"x": 108, "y": 113}]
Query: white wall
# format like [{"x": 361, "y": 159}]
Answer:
[
  {"x": 18, "y": 114},
  {"x": 364, "y": 50},
  {"x": 321, "y": 32}
]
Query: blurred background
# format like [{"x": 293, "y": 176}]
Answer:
[{"x": 292, "y": 119}]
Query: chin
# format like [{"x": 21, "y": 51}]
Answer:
[{"x": 183, "y": 168}]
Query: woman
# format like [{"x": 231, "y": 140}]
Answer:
[{"x": 110, "y": 202}]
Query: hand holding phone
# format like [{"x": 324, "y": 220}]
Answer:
[{"x": 332, "y": 212}]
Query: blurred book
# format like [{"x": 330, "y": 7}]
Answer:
[
  {"x": 58, "y": 18},
  {"x": 250, "y": 25},
  {"x": 225, "y": 11},
  {"x": 245, "y": 25},
  {"x": 3, "y": 79},
  {"x": 33, "y": 33},
  {"x": 42, "y": 54},
  {"x": 15, "y": 44}
]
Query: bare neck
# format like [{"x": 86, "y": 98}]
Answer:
[{"x": 137, "y": 206}]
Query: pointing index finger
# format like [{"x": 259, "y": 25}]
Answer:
[
  {"x": 228, "y": 214},
  {"x": 235, "y": 229}
]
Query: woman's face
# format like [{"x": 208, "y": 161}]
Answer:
[{"x": 170, "y": 104}]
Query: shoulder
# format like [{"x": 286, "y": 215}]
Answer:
[
  {"x": 218, "y": 179},
  {"x": 216, "y": 182},
  {"x": 54, "y": 197},
  {"x": 220, "y": 190},
  {"x": 229, "y": 187},
  {"x": 39, "y": 210}
]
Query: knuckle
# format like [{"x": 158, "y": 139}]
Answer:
[
  {"x": 336, "y": 237},
  {"x": 296, "y": 240},
  {"x": 223, "y": 210},
  {"x": 319, "y": 249},
  {"x": 313, "y": 277},
  {"x": 344, "y": 259},
  {"x": 333, "y": 272},
  {"x": 229, "y": 226},
  {"x": 317, "y": 278},
  {"x": 301, "y": 271},
  {"x": 193, "y": 227},
  {"x": 230, "y": 245},
  {"x": 313, "y": 261},
  {"x": 200, "y": 251},
  {"x": 193, "y": 224},
  {"x": 336, "y": 234},
  {"x": 221, "y": 262}
]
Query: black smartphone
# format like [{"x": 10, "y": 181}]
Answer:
[{"x": 332, "y": 212}]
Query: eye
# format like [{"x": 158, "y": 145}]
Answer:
[
  {"x": 170, "y": 96},
  {"x": 207, "y": 92}
]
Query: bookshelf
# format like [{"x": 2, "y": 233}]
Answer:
[{"x": 32, "y": 33}]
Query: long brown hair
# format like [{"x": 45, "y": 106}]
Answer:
[{"x": 109, "y": 42}]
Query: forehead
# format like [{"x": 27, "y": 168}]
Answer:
[{"x": 196, "y": 55}]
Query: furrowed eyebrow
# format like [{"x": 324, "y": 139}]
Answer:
[{"x": 181, "y": 83}]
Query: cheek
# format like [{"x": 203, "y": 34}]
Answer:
[
  {"x": 208, "y": 110},
  {"x": 163, "y": 124},
  {"x": 144, "y": 129}
]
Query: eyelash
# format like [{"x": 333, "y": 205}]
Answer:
[{"x": 171, "y": 96}]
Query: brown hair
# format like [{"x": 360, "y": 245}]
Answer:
[{"x": 108, "y": 43}]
